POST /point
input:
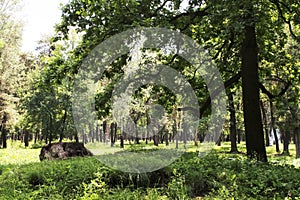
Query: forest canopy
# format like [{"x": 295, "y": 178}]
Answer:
[{"x": 253, "y": 44}]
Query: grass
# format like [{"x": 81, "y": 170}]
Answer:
[
  {"x": 218, "y": 175},
  {"x": 17, "y": 154}
]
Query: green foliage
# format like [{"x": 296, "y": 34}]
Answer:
[
  {"x": 48, "y": 178},
  {"x": 215, "y": 176},
  {"x": 46, "y": 99},
  {"x": 10, "y": 65}
]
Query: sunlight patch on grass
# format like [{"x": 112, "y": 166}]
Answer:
[{"x": 16, "y": 154}]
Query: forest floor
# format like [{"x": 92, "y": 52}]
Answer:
[{"x": 219, "y": 175}]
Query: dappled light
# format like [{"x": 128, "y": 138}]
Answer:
[{"x": 152, "y": 99}]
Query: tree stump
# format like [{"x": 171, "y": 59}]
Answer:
[{"x": 63, "y": 150}]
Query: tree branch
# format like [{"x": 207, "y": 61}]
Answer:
[
  {"x": 220, "y": 49},
  {"x": 287, "y": 21},
  {"x": 198, "y": 13},
  {"x": 272, "y": 96},
  {"x": 265, "y": 91},
  {"x": 229, "y": 83}
]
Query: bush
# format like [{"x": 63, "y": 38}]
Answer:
[{"x": 215, "y": 176}]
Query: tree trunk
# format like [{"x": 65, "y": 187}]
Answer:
[
  {"x": 264, "y": 117},
  {"x": 219, "y": 141},
  {"x": 176, "y": 140},
  {"x": 4, "y": 132},
  {"x": 174, "y": 130},
  {"x": 122, "y": 141},
  {"x": 272, "y": 128},
  {"x": 167, "y": 138},
  {"x": 115, "y": 131},
  {"x": 83, "y": 138},
  {"x": 104, "y": 131},
  {"x": 49, "y": 131},
  {"x": 76, "y": 138},
  {"x": 97, "y": 133},
  {"x": 239, "y": 135},
  {"x": 250, "y": 86},
  {"x": 26, "y": 138},
  {"x": 232, "y": 124},
  {"x": 61, "y": 134},
  {"x": 137, "y": 139},
  {"x": 92, "y": 134},
  {"x": 36, "y": 135},
  {"x": 46, "y": 138},
  {"x": 286, "y": 141},
  {"x": 184, "y": 129},
  {"x": 12, "y": 137},
  {"x": 297, "y": 141},
  {"x": 3, "y": 136},
  {"x": 196, "y": 138},
  {"x": 155, "y": 139},
  {"x": 112, "y": 126},
  {"x": 0, "y": 135},
  {"x": 101, "y": 135},
  {"x": 148, "y": 123}
]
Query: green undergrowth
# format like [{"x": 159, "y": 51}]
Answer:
[{"x": 215, "y": 176}]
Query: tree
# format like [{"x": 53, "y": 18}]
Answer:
[
  {"x": 10, "y": 40},
  {"x": 233, "y": 128},
  {"x": 239, "y": 36},
  {"x": 46, "y": 99},
  {"x": 242, "y": 34}
]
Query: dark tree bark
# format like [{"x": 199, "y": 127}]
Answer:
[
  {"x": 12, "y": 137},
  {"x": 3, "y": 137},
  {"x": 112, "y": 131},
  {"x": 232, "y": 124},
  {"x": 61, "y": 134},
  {"x": 272, "y": 128},
  {"x": 297, "y": 141},
  {"x": 97, "y": 133},
  {"x": 148, "y": 123},
  {"x": 122, "y": 136},
  {"x": 264, "y": 117},
  {"x": 250, "y": 87},
  {"x": 286, "y": 141},
  {"x": 167, "y": 138},
  {"x": 155, "y": 140},
  {"x": 178, "y": 133},
  {"x": 219, "y": 141},
  {"x": 137, "y": 138},
  {"x": 46, "y": 138},
  {"x": 49, "y": 130},
  {"x": 36, "y": 135},
  {"x": 196, "y": 138},
  {"x": 76, "y": 138},
  {"x": 174, "y": 130},
  {"x": 104, "y": 131},
  {"x": 122, "y": 142},
  {"x": 101, "y": 135},
  {"x": 4, "y": 132},
  {"x": 26, "y": 138},
  {"x": 115, "y": 131},
  {"x": 162, "y": 134},
  {"x": 239, "y": 136}
]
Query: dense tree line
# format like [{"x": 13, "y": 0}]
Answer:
[{"x": 254, "y": 44}]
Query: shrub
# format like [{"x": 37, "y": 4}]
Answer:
[{"x": 215, "y": 176}]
